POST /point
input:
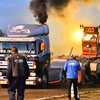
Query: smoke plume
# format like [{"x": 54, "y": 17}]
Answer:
[
  {"x": 65, "y": 17},
  {"x": 66, "y": 29},
  {"x": 39, "y": 8}
]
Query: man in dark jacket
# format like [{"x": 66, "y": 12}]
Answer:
[
  {"x": 72, "y": 67},
  {"x": 17, "y": 73}
]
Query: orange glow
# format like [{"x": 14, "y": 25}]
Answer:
[
  {"x": 39, "y": 79},
  {"x": 42, "y": 46},
  {"x": 6, "y": 58},
  {"x": 34, "y": 65}
]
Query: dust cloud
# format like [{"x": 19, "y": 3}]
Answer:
[
  {"x": 65, "y": 31},
  {"x": 64, "y": 18}
]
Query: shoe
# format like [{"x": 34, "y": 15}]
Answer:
[{"x": 78, "y": 99}]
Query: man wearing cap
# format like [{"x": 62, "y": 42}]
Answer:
[
  {"x": 17, "y": 73},
  {"x": 72, "y": 67}
]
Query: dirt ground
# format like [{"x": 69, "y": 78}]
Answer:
[
  {"x": 91, "y": 92},
  {"x": 87, "y": 96}
]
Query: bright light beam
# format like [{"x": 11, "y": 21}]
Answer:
[{"x": 79, "y": 35}]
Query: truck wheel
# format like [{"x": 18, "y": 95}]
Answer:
[
  {"x": 44, "y": 78},
  {"x": 96, "y": 80},
  {"x": 3, "y": 86},
  {"x": 93, "y": 79}
]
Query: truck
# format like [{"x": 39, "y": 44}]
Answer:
[
  {"x": 32, "y": 42},
  {"x": 90, "y": 55}
]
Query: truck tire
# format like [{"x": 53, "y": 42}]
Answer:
[
  {"x": 93, "y": 78},
  {"x": 97, "y": 79},
  {"x": 4, "y": 86},
  {"x": 44, "y": 79}
]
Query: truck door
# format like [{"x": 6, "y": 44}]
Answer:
[{"x": 41, "y": 61}]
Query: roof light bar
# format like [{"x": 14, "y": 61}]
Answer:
[
  {"x": 16, "y": 39},
  {"x": 81, "y": 26}
]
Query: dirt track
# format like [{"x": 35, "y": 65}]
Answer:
[
  {"x": 32, "y": 92},
  {"x": 88, "y": 96}
]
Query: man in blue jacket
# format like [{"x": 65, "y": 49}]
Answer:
[
  {"x": 17, "y": 73},
  {"x": 72, "y": 67}
]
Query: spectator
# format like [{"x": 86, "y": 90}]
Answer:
[
  {"x": 17, "y": 73},
  {"x": 72, "y": 67}
]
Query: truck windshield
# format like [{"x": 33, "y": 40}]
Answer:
[
  {"x": 90, "y": 37},
  {"x": 23, "y": 47}
]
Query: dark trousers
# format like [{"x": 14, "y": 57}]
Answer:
[
  {"x": 19, "y": 84},
  {"x": 75, "y": 85}
]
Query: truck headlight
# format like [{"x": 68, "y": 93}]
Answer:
[
  {"x": 0, "y": 73},
  {"x": 32, "y": 74}
]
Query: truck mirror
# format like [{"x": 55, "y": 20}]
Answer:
[{"x": 42, "y": 46}]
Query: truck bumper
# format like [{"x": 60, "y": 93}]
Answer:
[
  {"x": 29, "y": 81},
  {"x": 3, "y": 80},
  {"x": 33, "y": 81}
]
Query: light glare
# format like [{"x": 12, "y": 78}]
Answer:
[{"x": 79, "y": 35}]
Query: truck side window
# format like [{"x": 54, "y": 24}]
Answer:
[{"x": 39, "y": 46}]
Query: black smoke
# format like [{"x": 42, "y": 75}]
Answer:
[{"x": 39, "y": 8}]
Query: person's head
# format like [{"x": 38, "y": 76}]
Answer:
[
  {"x": 73, "y": 56},
  {"x": 14, "y": 49}
]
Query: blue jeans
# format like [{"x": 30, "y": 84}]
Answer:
[{"x": 19, "y": 84}]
